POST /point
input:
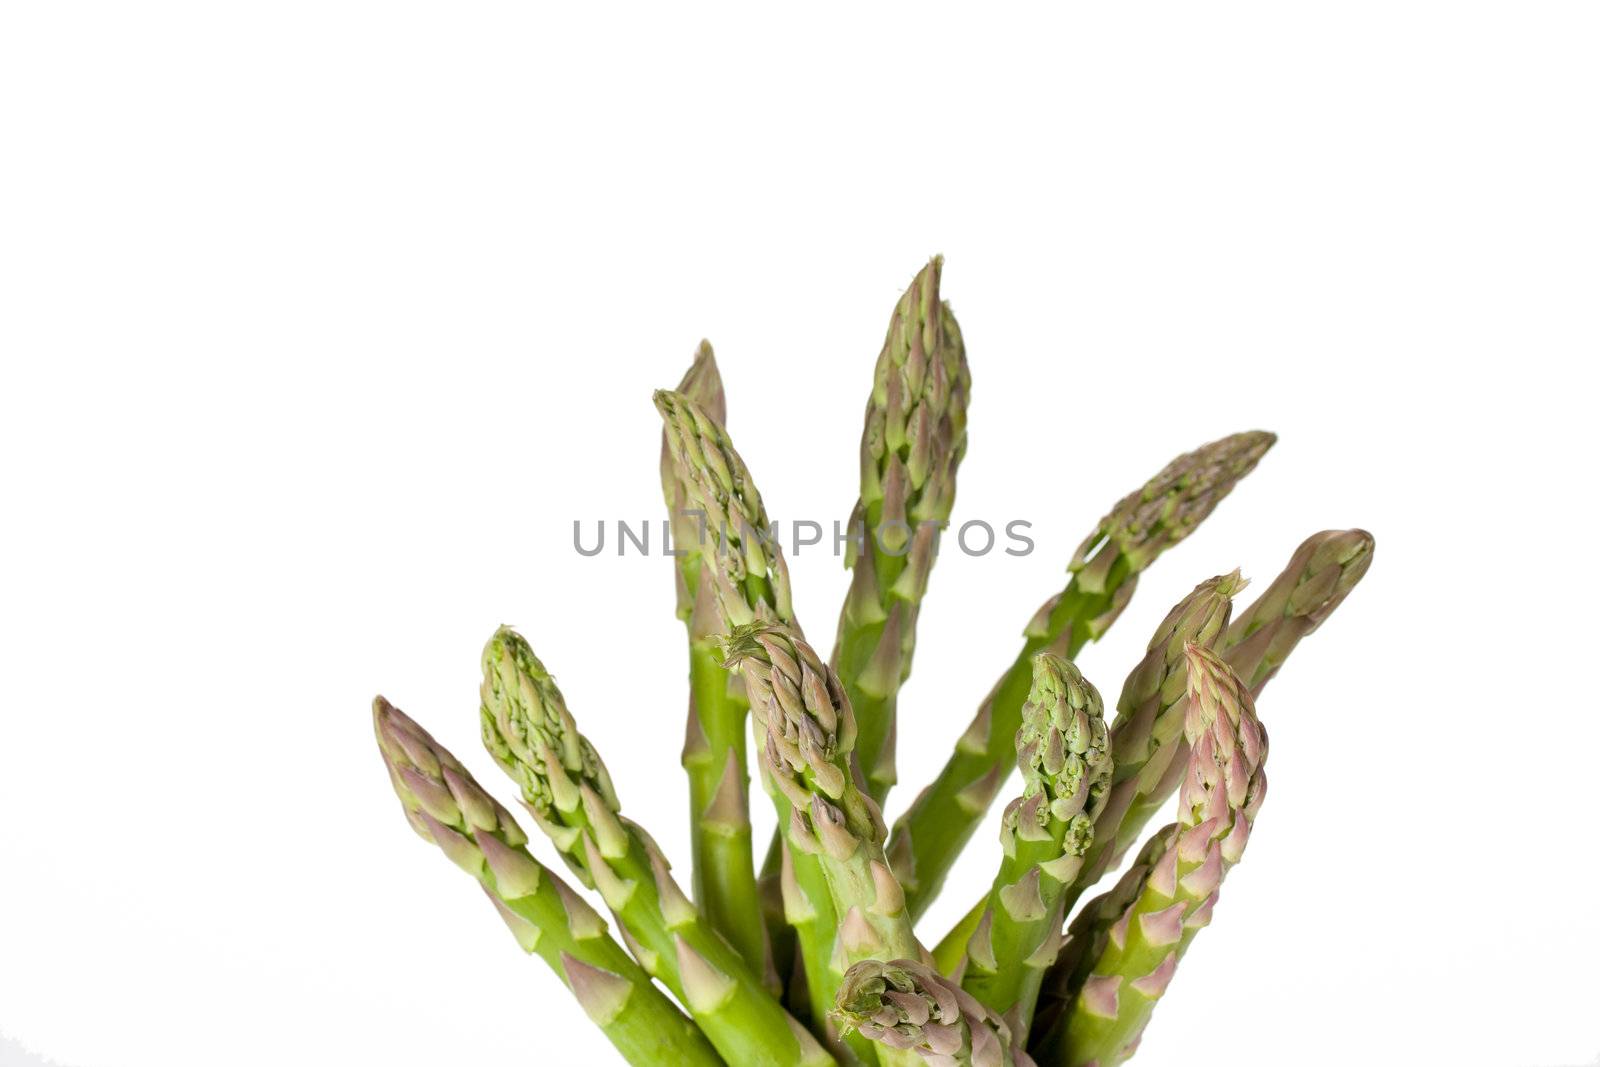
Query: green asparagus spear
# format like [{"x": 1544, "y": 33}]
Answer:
[
  {"x": 914, "y": 437},
  {"x": 714, "y": 755},
  {"x": 1223, "y": 787},
  {"x": 1064, "y": 752},
  {"x": 532, "y": 736},
  {"x": 447, "y": 807},
  {"x": 925, "y": 1017},
  {"x": 807, "y": 908},
  {"x": 1105, "y": 570},
  {"x": 747, "y": 580},
  {"x": 809, "y": 734},
  {"x": 912, "y": 441}
]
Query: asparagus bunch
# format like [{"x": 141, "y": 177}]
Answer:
[
  {"x": 1105, "y": 571},
  {"x": 1223, "y": 788},
  {"x": 1023, "y": 978}
]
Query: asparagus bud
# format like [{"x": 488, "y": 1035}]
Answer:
[
  {"x": 534, "y": 739},
  {"x": 1168, "y": 508},
  {"x": 1064, "y": 752},
  {"x": 1320, "y": 574},
  {"x": 908, "y": 1007},
  {"x": 702, "y": 384},
  {"x": 749, "y": 575}
]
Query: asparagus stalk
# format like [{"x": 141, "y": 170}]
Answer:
[
  {"x": 1145, "y": 717},
  {"x": 809, "y": 736},
  {"x": 809, "y": 912},
  {"x": 1316, "y": 580},
  {"x": 1105, "y": 571},
  {"x": 532, "y": 736},
  {"x": 1064, "y": 752},
  {"x": 806, "y": 906},
  {"x": 714, "y": 756},
  {"x": 746, "y": 580},
  {"x": 911, "y": 1008},
  {"x": 448, "y": 808},
  {"x": 914, "y": 436},
  {"x": 1223, "y": 788},
  {"x": 1090, "y": 931}
]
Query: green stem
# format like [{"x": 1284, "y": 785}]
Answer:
[
  {"x": 809, "y": 912},
  {"x": 859, "y": 659},
  {"x": 947, "y": 954},
  {"x": 1020, "y": 947},
  {"x": 715, "y": 760},
  {"x": 633, "y": 1013},
  {"x": 676, "y": 945}
]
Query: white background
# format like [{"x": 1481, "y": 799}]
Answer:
[{"x": 322, "y": 322}]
